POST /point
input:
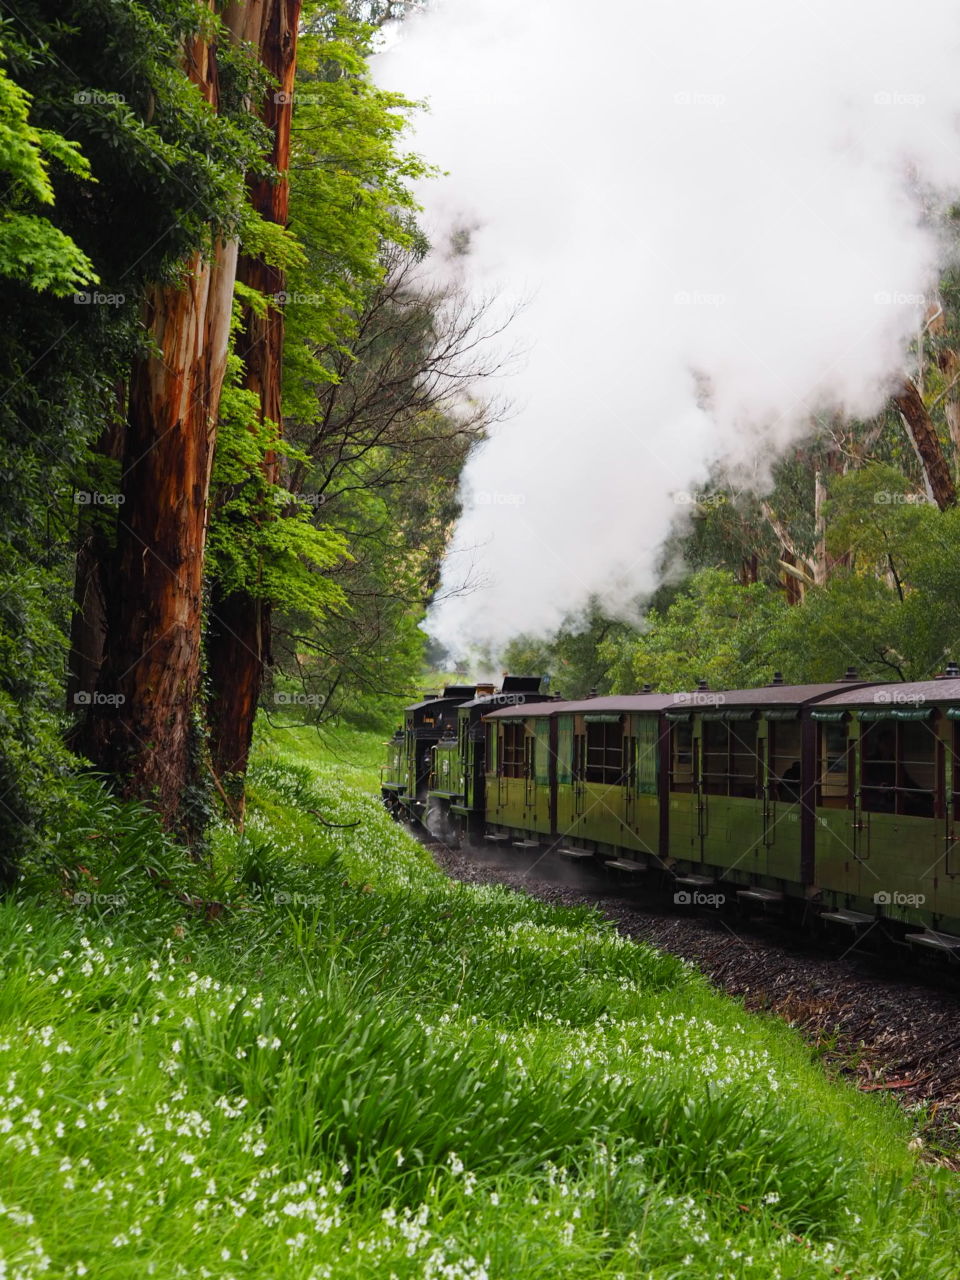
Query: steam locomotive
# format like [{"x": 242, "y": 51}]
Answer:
[{"x": 836, "y": 805}]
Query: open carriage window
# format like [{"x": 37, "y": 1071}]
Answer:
[
  {"x": 744, "y": 764},
  {"x": 834, "y": 756},
  {"x": 784, "y": 745},
  {"x": 605, "y": 760},
  {"x": 513, "y": 757},
  {"x": 898, "y": 764},
  {"x": 716, "y": 757},
  {"x": 730, "y": 766},
  {"x": 681, "y": 757}
]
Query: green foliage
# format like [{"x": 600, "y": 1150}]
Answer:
[
  {"x": 892, "y": 609},
  {"x": 715, "y": 629},
  {"x": 116, "y": 170},
  {"x": 577, "y": 657},
  {"x": 317, "y": 1056},
  {"x": 349, "y": 194},
  {"x": 32, "y": 248},
  {"x": 261, "y": 540}
]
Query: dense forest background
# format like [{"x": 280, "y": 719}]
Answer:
[{"x": 235, "y": 410}]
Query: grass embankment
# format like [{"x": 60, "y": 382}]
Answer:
[{"x": 363, "y": 1070}]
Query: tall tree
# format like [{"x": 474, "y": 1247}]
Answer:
[
  {"x": 349, "y": 197},
  {"x": 141, "y": 725},
  {"x": 238, "y": 639}
]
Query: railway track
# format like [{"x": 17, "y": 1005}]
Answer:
[{"x": 891, "y": 1032}]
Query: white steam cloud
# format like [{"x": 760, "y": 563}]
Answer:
[{"x": 742, "y": 190}]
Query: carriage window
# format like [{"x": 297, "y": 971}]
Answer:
[
  {"x": 605, "y": 753},
  {"x": 716, "y": 757},
  {"x": 834, "y": 770},
  {"x": 785, "y": 760},
  {"x": 898, "y": 768},
  {"x": 743, "y": 758},
  {"x": 512, "y": 751},
  {"x": 917, "y": 781},
  {"x": 681, "y": 757},
  {"x": 730, "y": 758}
]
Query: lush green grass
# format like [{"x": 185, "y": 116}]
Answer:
[{"x": 362, "y": 1070}]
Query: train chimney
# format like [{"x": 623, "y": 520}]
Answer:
[
  {"x": 777, "y": 678},
  {"x": 851, "y": 673}
]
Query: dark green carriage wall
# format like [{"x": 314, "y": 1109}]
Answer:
[
  {"x": 624, "y": 815},
  {"x": 762, "y": 839},
  {"x": 520, "y": 804},
  {"x": 913, "y": 862}
]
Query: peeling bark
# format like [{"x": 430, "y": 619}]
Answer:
[
  {"x": 238, "y": 641},
  {"x": 926, "y": 442},
  {"x": 152, "y": 669}
]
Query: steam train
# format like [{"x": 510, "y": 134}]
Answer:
[{"x": 834, "y": 805}]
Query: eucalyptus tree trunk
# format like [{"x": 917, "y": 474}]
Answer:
[
  {"x": 238, "y": 638},
  {"x": 142, "y": 718},
  {"x": 145, "y": 724},
  {"x": 150, "y": 680},
  {"x": 923, "y": 436}
]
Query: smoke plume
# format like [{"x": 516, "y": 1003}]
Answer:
[{"x": 743, "y": 193}]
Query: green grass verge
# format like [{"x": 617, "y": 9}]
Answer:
[{"x": 360, "y": 1069}]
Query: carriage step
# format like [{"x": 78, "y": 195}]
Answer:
[
  {"x": 627, "y": 864},
  {"x": 696, "y": 882},
  {"x": 854, "y": 919},
  {"x": 497, "y": 837},
  {"x": 768, "y": 897},
  {"x": 526, "y": 844},
  {"x": 935, "y": 941},
  {"x": 575, "y": 853}
]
